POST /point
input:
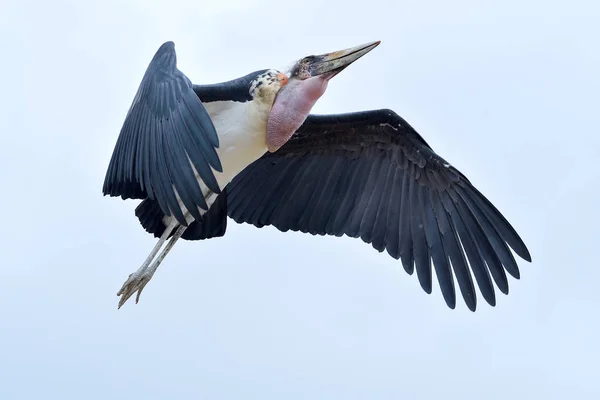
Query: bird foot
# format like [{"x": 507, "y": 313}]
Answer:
[{"x": 134, "y": 283}]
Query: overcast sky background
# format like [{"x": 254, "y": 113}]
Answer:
[{"x": 508, "y": 93}]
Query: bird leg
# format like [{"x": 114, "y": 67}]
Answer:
[
  {"x": 140, "y": 278},
  {"x": 137, "y": 280},
  {"x": 149, "y": 272}
]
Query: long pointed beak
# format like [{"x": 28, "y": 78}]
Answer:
[{"x": 331, "y": 64}]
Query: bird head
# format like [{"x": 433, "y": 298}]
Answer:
[{"x": 295, "y": 92}]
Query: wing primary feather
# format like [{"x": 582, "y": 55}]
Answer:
[
  {"x": 169, "y": 178},
  {"x": 354, "y": 224},
  {"x": 373, "y": 205},
  {"x": 482, "y": 275},
  {"x": 421, "y": 249},
  {"x": 393, "y": 229},
  {"x": 280, "y": 211},
  {"x": 152, "y": 161},
  {"x": 187, "y": 185},
  {"x": 324, "y": 204},
  {"x": 285, "y": 207},
  {"x": 326, "y": 165},
  {"x": 277, "y": 190},
  {"x": 492, "y": 261},
  {"x": 256, "y": 209},
  {"x": 166, "y": 134},
  {"x": 380, "y": 227},
  {"x": 250, "y": 203},
  {"x": 343, "y": 202},
  {"x": 347, "y": 207},
  {"x": 504, "y": 228},
  {"x": 476, "y": 260},
  {"x": 130, "y": 137},
  {"x": 135, "y": 150},
  {"x": 198, "y": 112},
  {"x": 303, "y": 192},
  {"x": 193, "y": 107},
  {"x": 158, "y": 172},
  {"x": 141, "y": 151},
  {"x": 188, "y": 138},
  {"x": 455, "y": 253},
  {"x": 436, "y": 249},
  {"x": 406, "y": 245},
  {"x": 242, "y": 189},
  {"x": 498, "y": 244}
]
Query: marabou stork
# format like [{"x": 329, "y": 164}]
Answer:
[{"x": 249, "y": 149}]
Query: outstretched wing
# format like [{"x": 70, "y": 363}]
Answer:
[
  {"x": 371, "y": 175},
  {"x": 166, "y": 143}
]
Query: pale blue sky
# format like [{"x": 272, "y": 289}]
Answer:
[{"x": 508, "y": 93}]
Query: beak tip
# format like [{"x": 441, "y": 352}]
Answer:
[{"x": 333, "y": 63}]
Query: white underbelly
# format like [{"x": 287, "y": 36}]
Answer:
[
  {"x": 242, "y": 130},
  {"x": 235, "y": 155}
]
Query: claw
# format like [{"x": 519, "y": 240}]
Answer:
[
  {"x": 139, "y": 292},
  {"x": 124, "y": 285},
  {"x": 134, "y": 283},
  {"x": 139, "y": 279}
]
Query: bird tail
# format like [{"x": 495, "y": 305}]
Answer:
[
  {"x": 151, "y": 217},
  {"x": 213, "y": 224}
]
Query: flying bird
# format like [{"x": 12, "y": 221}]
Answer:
[{"x": 249, "y": 149}]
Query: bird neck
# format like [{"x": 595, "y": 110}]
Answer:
[{"x": 236, "y": 90}]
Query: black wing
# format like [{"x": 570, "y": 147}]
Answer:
[
  {"x": 371, "y": 175},
  {"x": 166, "y": 131}
]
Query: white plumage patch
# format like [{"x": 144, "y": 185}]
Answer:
[
  {"x": 265, "y": 83},
  {"x": 242, "y": 130}
]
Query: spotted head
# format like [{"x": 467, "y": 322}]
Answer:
[{"x": 294, "y": 92}]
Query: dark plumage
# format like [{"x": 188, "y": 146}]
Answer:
[
  {"x": 166, "y": 124},
  {"x": 365, "y": 175},
  {"x": 371, "y": 175}
]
